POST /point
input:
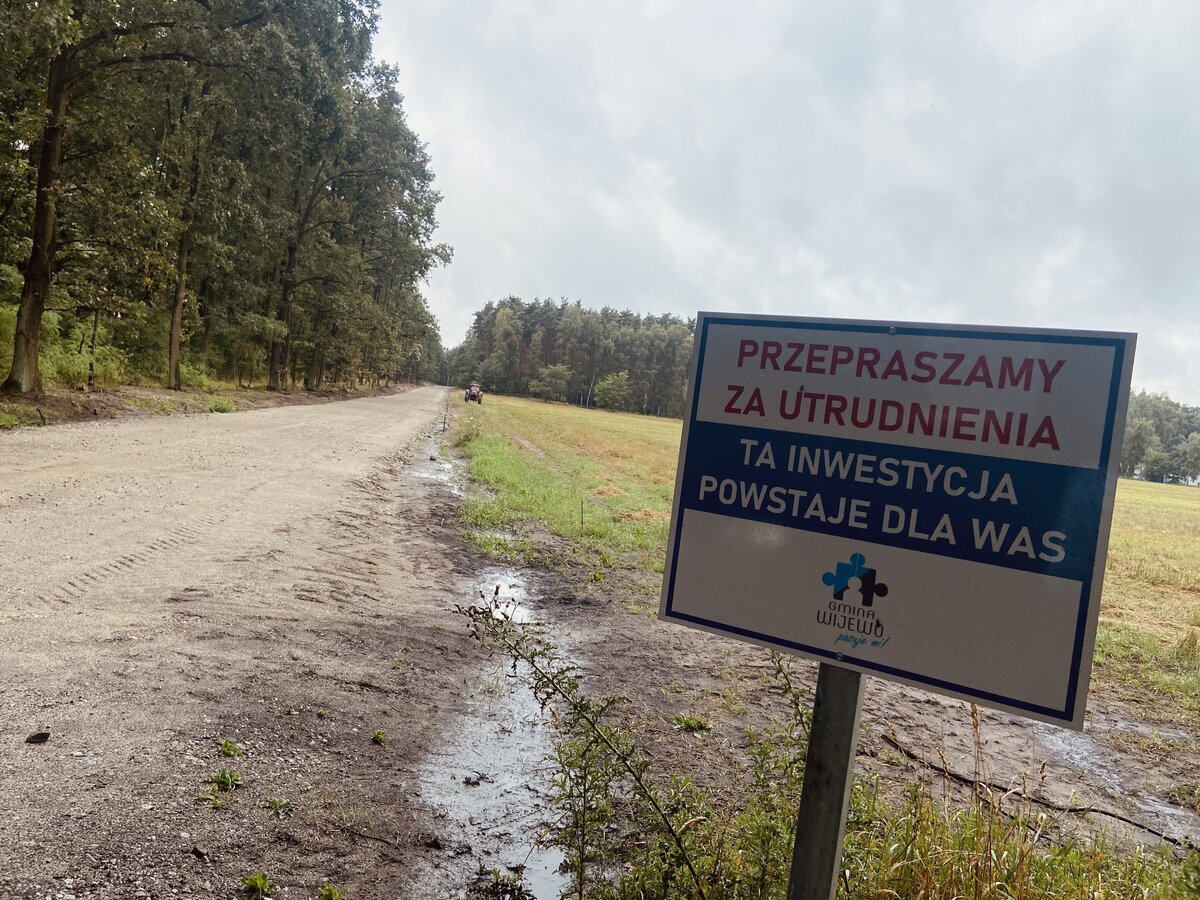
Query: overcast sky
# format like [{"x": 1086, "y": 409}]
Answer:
[{"x": 1026, "y": 163}]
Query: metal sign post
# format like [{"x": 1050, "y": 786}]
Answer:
[{"x": 828, "y": 775}]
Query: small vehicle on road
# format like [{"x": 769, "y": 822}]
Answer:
[{"x": 474, "y": 392}]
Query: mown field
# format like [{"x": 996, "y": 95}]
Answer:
[{"x": 591, "y": 491}]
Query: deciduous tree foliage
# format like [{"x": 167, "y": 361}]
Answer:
[
  {"x": 1162, "y": 439},
  {"x": 226, "y": 186},
  {"x": 561, "y": 350}
]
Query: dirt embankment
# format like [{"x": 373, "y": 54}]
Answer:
[{"x": 58, "y": 406}]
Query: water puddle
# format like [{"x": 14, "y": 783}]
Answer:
[
  {"x": 489, "y": 783},
  {"x": 1079, "y": 750},
  {"x": 431, "y": 465},
  {"x": 508, "y": 589}
]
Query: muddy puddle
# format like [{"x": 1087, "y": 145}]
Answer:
[
  {"x": 1101, "y": 768},
  {"x": 431, "y": 465},
  {"x": 489, "y": 782}
]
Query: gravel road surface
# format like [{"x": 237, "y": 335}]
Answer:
[{"x": 279, "y": 579}]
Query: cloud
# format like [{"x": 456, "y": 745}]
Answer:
[{"x": 1017, "y": 163}]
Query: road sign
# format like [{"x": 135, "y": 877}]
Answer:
[{"x": 924, "y": 503}]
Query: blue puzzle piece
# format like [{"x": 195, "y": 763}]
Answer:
[{"x": 839, "y": 579}]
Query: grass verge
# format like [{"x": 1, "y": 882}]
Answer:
[{"x": 599, "y": 483}]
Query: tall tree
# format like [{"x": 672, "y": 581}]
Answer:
[{"x": 96, "y": 43}]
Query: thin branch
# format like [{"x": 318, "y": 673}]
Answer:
[{"x": 976, "y": 783}]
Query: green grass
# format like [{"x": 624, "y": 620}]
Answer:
[
  {"x": 692, "y": 724},
  {"x": 924, "y": 848},
  {"x": 1146, "y": 645},
  {"x": 18, "y": 415},
  {"x": 219, "y": 404},
  {"x": 1156, "y": 675},
  {"x": 156, "y": 405},
  {"x": 600, "y": 481},
  {"x": 1156, "y": 535}
]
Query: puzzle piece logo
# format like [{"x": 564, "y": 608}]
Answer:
[{"x": 868, "y": 586}]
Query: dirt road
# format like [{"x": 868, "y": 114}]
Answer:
[{"x": 281, "y": 579}]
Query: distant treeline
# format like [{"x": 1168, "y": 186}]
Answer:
[
  {"x": 190, "y": 187},
  {"x": 615, "y": 359},
  {"x": 1162, "y": 439}
]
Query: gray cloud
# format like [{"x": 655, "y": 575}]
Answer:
[{"x": 1020, "y": 163}]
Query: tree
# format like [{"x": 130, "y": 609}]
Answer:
[
  {"x": 552, "y": 383},
  {"x": 1139, "y": 440},
  {"x": 1185, "y": 459},
  {"x": 95, "y": 39},
  {"x": 612, "y": 391}
]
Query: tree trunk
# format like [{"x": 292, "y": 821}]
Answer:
[
  {"x": 174, "y": 375},
  {"x": 175, "y": 338},
  {"x": 206, "y": 315},
  {"x": 91, "y": 382},
  {"x": 277, "y": 374},
  {"x": 24, "y": 377}
]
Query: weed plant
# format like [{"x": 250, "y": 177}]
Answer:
[
  {"x": 692, "y": 724},
  {"x": 225, "y": 780},
  {"x": 230, "y": 749},
  {"x": 630, "y": 832},
  {"x": 279, "y": 807},
  {"x": 257, "y": 886},
  {"x": 220, "y": 404},
  {"x": 198, "y": 380}
]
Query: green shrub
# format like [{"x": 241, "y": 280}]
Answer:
[
  {"x": 8, "y": 329},
  {"x": 257, "y": 886},
  {"x": 220, "y": 405},
  {"x": 467, "y": 429},
  {"x": 197, "y": 379},
  {"x": 64, "y": 359}
]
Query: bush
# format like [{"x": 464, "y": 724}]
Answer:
[
  {"x": 613, "y": 391},
  {"x": 8, "y": 328},
  {"x": 198, "y": 380},
  {"x": 220, "y": 405},
  {"x": 467, "y": 429},
  {"x": 62, "y": 366}
]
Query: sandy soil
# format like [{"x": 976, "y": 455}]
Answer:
[{"x": 286, "y": 579}]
